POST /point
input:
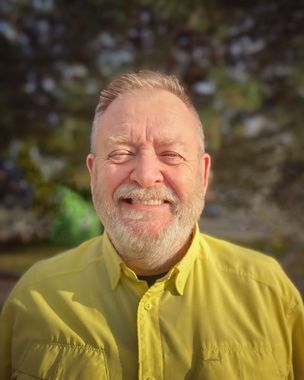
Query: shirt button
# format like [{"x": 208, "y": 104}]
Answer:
[
  {"x": 149, "y": 378},
  {"x": 148, "y": 306}
]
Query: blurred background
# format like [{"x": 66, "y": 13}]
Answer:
[{"x": 242, "y": 64}]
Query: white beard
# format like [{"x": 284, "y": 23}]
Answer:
[{"x": 132, "y": 240}]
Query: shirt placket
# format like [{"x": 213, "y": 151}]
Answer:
[{"x": 150, "y": 356}]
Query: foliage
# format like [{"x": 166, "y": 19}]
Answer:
[
  {"x": 241, "y": 63},
  {"x": 75, "y": 221}
]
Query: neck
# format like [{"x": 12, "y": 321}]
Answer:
[{"x": 151, "y": 263}]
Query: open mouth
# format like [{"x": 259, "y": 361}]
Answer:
[{"x": 147, "y": 202}]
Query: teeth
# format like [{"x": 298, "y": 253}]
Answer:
[{"x": 151, "y": 202}]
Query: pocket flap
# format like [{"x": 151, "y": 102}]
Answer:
[{"x": 54, "y": 361}]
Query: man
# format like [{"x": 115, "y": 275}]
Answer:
[{"x": 152, "y": 298}]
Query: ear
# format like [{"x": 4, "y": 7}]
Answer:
[
  {"x": 90, "y": 164},
  {"x": 206, "y": 162}
]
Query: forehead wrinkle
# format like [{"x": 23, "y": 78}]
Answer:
[
  {"x": 135, "y": 124},
  {"x": 160, "y": 140}
]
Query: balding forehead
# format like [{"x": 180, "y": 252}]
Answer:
[{"x": 148, "y": 107}]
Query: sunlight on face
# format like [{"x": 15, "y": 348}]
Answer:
[{"x": 149, "y": 177}]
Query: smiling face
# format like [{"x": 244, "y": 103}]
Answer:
[{"x": 148, "y": 174}]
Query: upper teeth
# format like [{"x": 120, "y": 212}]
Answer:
[{"x": 151, "y": 202}]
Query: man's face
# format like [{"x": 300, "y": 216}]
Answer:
[{"x": 148, "y": 172}]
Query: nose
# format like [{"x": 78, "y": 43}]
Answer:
[{"x": 146, "y": 172}]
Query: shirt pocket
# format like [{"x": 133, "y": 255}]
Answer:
[
  {"x": 56, "y": 361},
  {"x": 250, "y": 361}
]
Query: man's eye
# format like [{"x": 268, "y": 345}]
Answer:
[
  {"x": 121, "y": 156},
  {"x": 171, "y": 158}
]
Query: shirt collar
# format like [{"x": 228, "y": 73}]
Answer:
[
  {"x": 184, "y": 266},
  {"x": 112, "y": 259},
  {"x": 178, "y": 274}
]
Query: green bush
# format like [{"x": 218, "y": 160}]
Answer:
[{"x": 75, "y": 221}]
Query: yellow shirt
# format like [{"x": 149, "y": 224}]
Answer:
[{"x": 222, "y": 313}]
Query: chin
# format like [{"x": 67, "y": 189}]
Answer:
[{"x": 146, "y": 228}]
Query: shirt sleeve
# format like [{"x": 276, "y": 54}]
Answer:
[
  {"x": 6, "y": 324},
  {"x": 298, "y": 341}
]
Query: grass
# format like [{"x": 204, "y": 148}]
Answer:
[{"x": 19, "y": 258}]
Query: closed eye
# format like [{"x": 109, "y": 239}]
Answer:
[
  {"x": 171, "y": 158},
  {"x": 120, "y": 156}
]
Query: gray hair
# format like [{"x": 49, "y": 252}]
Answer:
[{"x": 147, "y": 80}]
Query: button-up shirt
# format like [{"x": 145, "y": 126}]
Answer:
[{"x": 222, "y": 312}]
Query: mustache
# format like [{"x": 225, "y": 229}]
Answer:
[{"x": 134, "y": 191}]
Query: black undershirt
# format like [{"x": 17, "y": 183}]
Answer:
[{"x": 150, "y": 280}]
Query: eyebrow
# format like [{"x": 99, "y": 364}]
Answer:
[
  {"x": 170, "y": 142},
  {"x": 120, "y": 139},
  {"x": 124, "y": 139}
]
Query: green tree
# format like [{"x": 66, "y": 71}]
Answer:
[{"x": 242, "y": 65}]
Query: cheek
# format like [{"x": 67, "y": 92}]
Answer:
[
  {"x": 113, "y": 177},
  {"x": 183, "y": 182}
]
